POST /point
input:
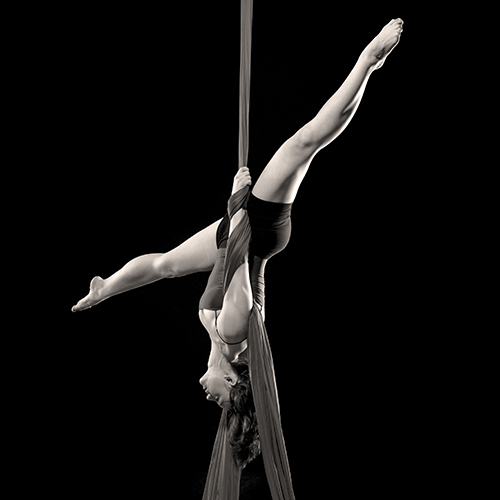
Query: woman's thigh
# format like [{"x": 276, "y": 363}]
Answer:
[
  {"x": 281, "y": 179},
  {"x": 197, "y": 254}
]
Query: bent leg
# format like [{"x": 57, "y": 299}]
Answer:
[
  {"x": 281, "y": 179},
  {"x": 197, "y": 254}
]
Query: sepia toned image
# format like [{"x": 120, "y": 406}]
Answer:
[{"x": 239, "y": 364}]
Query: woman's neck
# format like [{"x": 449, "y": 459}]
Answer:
[{"x": 220, "y": 356}]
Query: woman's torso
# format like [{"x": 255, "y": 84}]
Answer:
[{"x": 271, "y": 228}]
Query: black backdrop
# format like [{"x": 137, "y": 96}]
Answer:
[{"x": 145, "y": 106}]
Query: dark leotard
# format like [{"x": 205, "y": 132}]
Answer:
[{"x": 271, "y": 227}]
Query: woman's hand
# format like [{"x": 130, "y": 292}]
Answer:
[{"x": 241, "y": 179}]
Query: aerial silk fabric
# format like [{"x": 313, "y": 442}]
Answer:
[
  {"x": 245, "y": 55},
  {"x": 223, "y": 480},
  {"x": 224, "y": 474}
]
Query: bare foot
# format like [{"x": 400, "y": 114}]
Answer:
[
  {"x": 383, "y": 44},
  {"x": 93, "y": 298}
]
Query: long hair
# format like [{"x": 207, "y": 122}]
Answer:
[{"x": 243, "y": 433}]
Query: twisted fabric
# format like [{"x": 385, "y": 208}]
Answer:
[{"x": 223, "y": 481}]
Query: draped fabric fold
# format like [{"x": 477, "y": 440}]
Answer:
[
  {"x": 224, "y": 474},
  {"x": 223, "y": 480},
  {"x": 265, "y": 396}
]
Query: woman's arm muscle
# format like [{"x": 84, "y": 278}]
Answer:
[{"x": 237, "y": 306}]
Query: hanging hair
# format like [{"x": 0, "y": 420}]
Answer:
[{"x": 243, "y": 433}]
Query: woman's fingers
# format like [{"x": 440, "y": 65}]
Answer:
[
  {"x": 243, "y": 175},
  {"x": 246, "y": 179},
  {"x": 242, "y": 179}
]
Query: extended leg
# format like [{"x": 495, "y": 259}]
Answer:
[
  {"x": 281, "y": 178},
  {"x": 197, "y": 254}
]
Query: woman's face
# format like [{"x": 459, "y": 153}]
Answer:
[{"x": 217, "y": 384}]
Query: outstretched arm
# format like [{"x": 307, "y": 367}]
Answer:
[{"x": 237, "y": 306}]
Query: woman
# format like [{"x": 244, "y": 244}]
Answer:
[{"x": 225, "y": 316}]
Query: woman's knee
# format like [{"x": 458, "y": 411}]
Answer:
[
  {"x": 164, "y": 267},
  {"x": 306, "y": 138}
]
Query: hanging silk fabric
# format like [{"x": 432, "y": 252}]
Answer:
[
  {"x": 245, "y": 57},
  {"x": 223, "y": 481}
]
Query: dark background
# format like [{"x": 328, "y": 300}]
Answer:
[{"x": 143, "y": 130}]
